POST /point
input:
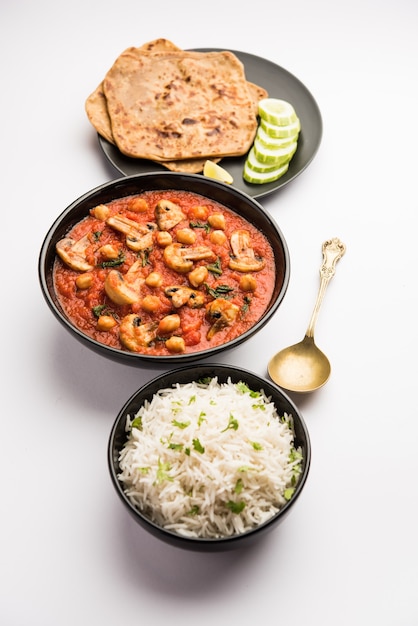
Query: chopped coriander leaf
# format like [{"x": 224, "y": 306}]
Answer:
[
  {"x": 203, "y": 225},
  {"x": 247, "y": 468},
  {"x": 295, "y": 455},
  {"x": 97, "y": 234},
  {"x": 239, "y": 485},
  {"x": 244, "y": 388},
  {"x": 198, "y": 446},
  {"x": 220, "y": 291},
  {"x": 99, "y": 310},
  {"x": 137, "y": 423},
  {"x": 256, "y": 446},
  {"x": 187, "y": 451},
  {"x": 201, "y": 418},
  {"x": 181, "y": 425},
  {"x": 103, "y": 309},
  {"x": 236, "y": 507},
  {"x": 114, "y": 262},
  {"x": 144, "y": 256},
  {"x": 205, "y": 380},
  {"x": 246, "y": 304},
  {"x": 216, "y": 267},
  {"x": 232, "y": 424},
  {"x": 192, "y": 399},
  {"x": 288, "y": 493},
  {"x": 175, "y": 446},
  {"x": 194, "y": 510},
  {"x": 162, "y": 472}
]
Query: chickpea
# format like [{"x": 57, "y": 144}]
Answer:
[
  {"x": 248, "y": 282},
  {"x": 217, "y": 220},
  {"x": 218, "y": 237},
  {"x": 138, "y": 205},
  {"x": 186, "y": 235},
  {"x": 154, "y": 279},
  {"x": 151, "y": 304},
  {"x": 106, "y": 322},
  {"x": 175, "y": 344},
  {"x": 163, "y": 238},
  {"x": 198, "y": 213},
  {"x": 101, "y": 212},
  {"x": 169, "y": 323},
  {"x": 84, "y": 281},
  {"x": 198, "y": 276},
  {"x": 109, "y": 252}
]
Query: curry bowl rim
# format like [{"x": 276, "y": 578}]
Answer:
[{"x": 213, "y": 189}]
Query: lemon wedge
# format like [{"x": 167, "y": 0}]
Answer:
[
  {"x": 213, "y": 170},
  {"x": 277, "y": 112}
]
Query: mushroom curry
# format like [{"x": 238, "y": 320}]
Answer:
[{"x": 164, "y": 272}]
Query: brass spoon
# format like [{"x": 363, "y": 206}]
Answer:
[{"x": 303, "y": 367}]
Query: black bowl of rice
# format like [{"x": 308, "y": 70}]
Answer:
[{"x": 209, "y": 457}]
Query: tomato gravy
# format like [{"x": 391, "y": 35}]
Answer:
[{"x": 164, "y": 272}]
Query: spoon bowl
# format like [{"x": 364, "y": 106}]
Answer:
[{"x": 303, "y": 367}]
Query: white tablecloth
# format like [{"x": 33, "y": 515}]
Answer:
[{"x": 348, "y": 553}]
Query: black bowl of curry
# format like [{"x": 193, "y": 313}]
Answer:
[{"x": 163, "y": 267}]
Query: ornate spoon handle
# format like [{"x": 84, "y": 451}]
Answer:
[{"x": 332, "y": 251}]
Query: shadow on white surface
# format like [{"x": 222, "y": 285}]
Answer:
[{"x": 145, "y": 561}]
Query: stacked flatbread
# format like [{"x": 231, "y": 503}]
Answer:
[{"x": 176, "y": 107}]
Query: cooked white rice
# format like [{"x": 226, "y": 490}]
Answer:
[{"x": 210, "y": 460}]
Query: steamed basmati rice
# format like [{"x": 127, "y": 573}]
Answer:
[{"x": 209, "y": 459}]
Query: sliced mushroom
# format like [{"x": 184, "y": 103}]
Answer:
[
  {"x": 134, "y": 335},
  {"x": 180, "y": 259},
  {"x": 198, "y": 253},
  {"x": 138, "y": 236},
  {"x": 221, "y": 313},
  {"x": 244, "y": 259},
  {"x": 124, "y": 288},
  {"x": 181, "y": 295},
  {"x": 73, "y": 253},
  {"x": 174, "y": 259},
  {"x": 168, "y": 214}
]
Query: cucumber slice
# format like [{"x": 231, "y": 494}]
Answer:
[
  {"x": 278, "y": 112},
  {"x": 258, "y": 166},
  {"x": 290, "y": 130},
  {"x": 260, "y": 178},
  {"x": 273, "y": 142},
  {"x": 274, "y": 155}
]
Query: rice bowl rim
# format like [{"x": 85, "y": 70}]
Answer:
[{"x": 187, "y": 374}]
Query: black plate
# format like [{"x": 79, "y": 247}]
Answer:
[{"x": 280, "y": 84}]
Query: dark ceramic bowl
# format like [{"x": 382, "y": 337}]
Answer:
[
  {"x": 283, "y": 404},
  {"x": 227, "y": 195}
]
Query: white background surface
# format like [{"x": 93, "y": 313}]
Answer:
[{"x": 69, "y": 553}]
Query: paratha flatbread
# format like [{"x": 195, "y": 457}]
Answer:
[
  {"x": 160, "y": 49},
  {"x": 96, "y": 106},
  {"x": 180, "y": 105}
]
